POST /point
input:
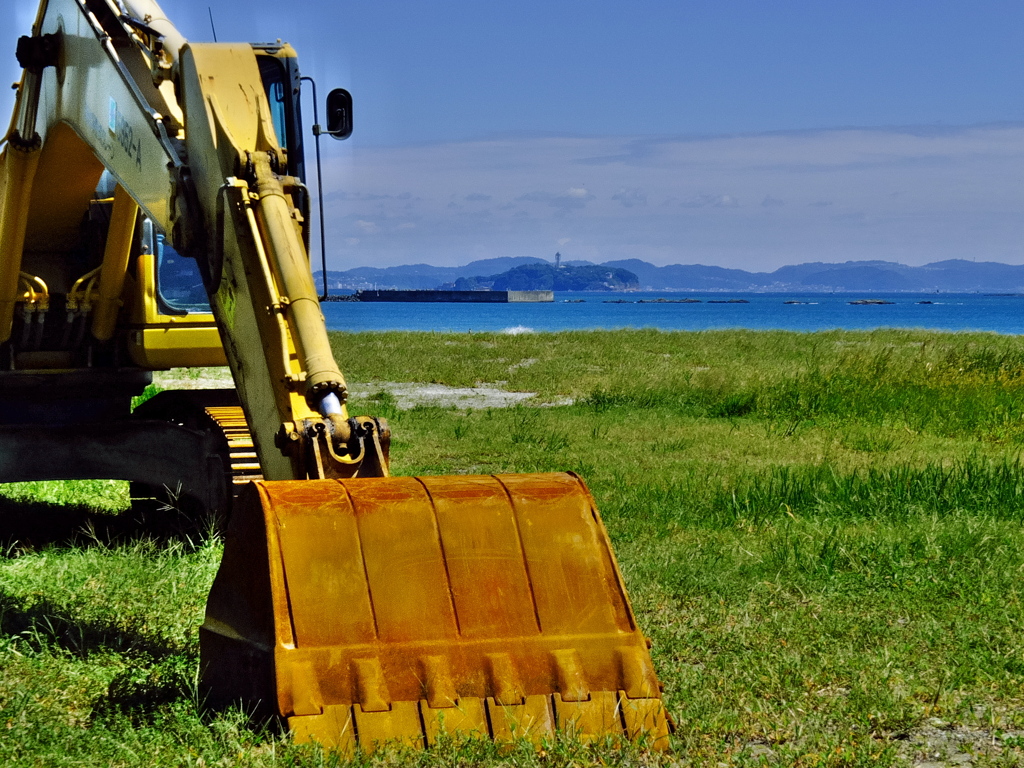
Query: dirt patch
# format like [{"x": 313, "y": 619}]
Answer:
[
  {"x": 939, "y": 745},
  {"x": 407, "y": 394}
]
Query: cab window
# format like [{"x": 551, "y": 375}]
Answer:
[
  {"x": 273, "y": 75},
  {"x": 178, "y": 282}
]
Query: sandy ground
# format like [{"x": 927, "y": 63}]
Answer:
[
  {"x": 407, "y": 395},
  {"x": 937, "y": 745}
]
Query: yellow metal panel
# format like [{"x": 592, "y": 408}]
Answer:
[
  {"x": 229, "y": 107},
  {"x": 116, "y": 254},
  {"x": 569, "y": 554},
  {"x": 176, "y": 346},
  {"x": 17, "y": 170},
  {"x": 320, "y": 546},
  {"x": 65, "y": 183},
  {"x": 405, "y": 566},
  {"x": 478, "y": 526}
]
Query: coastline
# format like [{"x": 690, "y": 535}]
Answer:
[{"x": 1002, "y": 314}]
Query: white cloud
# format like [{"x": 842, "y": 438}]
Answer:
[
  {"x": 683, "y": 200},
  {"x": 627, "y": 198},
  {"x": 714, "y": 201},
  {"x": 574, "y": 198}
]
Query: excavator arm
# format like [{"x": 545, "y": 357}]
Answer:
[
  {"x": 355, "y": 607},
  {"x": 216, "y": 188},
  {"x": 236, "y": 215}
]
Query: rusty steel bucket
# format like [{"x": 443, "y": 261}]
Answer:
[{"x": 364, "y": 611}]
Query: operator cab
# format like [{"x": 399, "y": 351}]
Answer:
[{"x": 279, "y": 70}]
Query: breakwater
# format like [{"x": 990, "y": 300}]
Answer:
[{"x": 460, "y": 297}]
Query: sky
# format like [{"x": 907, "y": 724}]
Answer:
[{"x": 735, "y": 133}]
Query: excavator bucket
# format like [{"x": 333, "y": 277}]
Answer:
[{"x": 377, "y": 610}]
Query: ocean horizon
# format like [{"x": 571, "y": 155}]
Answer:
[{"x": 996, "y": 313}]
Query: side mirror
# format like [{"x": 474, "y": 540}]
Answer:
[{"x": 339, "y": 113}]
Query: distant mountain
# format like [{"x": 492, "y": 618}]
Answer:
[
  {"x": 689, "y": 277},
  {"x": 417, "y": 276},
  {"x": 547, "y": 277},
  {"x": 862, "y": 278},
  {"x": 953, "y": 276}
]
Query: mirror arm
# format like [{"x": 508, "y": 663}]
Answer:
[
  {"x": 319, "y": 130},
  {"x": 319, "y": 189}
]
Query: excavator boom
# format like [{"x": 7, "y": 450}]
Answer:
[{"x": 355, "y": 607}]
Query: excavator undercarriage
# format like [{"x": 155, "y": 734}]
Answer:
[{"x": 153, "y": 215}]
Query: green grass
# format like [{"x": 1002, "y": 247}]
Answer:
[{"x": 820, "y": 532}]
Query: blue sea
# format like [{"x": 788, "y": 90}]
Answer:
[{"x": 815, "y": 312}]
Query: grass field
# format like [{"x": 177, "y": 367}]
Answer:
[{"x": 820, "y": 532}]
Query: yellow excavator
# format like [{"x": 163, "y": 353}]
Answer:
[{"x": 153, "y": 215}]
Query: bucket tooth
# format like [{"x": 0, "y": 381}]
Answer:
[
  {"x": 467, "y": 717},
  {"x": 438, "y": 682},
  {"x": 334, "y": 729},
  {"x": 572, "y": 684},
  {"x": 639, "y": 679},
  {"x": 368, "y": 610},
  {"x": 371, "y": 687},
  {"x": 532, "y": 719},
  {"x": 306, "y": 696},
  {"x": 399, "y": 725},
  {"x": 645, "y": 719},
  {"x": 592, "y": 719},
  {"x": 504, "y": 679}
]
